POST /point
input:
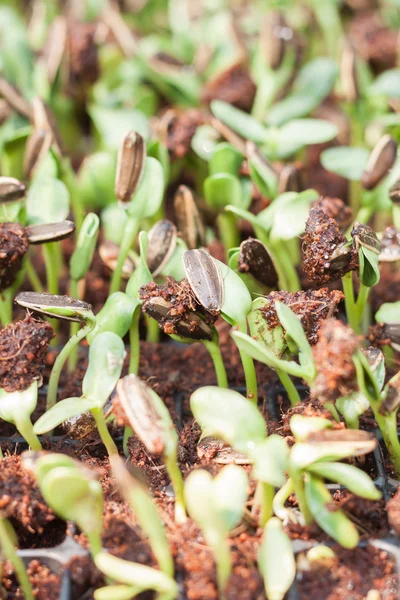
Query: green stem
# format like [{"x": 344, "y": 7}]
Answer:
[
  {"x": 128, "y": 238},
  {"x": 228, "y": 230},
  {"x": 74, "y": 328},
  {"x": 60, "y": 360},
  {"x": 33, "y": 276},
  {"x": 152, "y": 330},
  {"x": 128, "y": 432},
  {"x": 280, "y": 498},
  {"x": 289, "y": 386},
  {"x": 249, "y": 370},
  {"x": 177, "y": 483},
  {"x": 134, "y": 341},
  {"x": 51, "y": 261},
  {"x": 25, "y": 428},
  {"x": 69, "y": 179},
  {"x": 215, "y": 353},
  {"x": 298, "y": 487},
  {"x": 351, "y": 310},
  {"x": 388, "y": 426},
  {"x": 332, "y": 409},
  {"x": 9, "y": 551},
  {"x": 105, "y": 435},
  {"x": 5, "y": 316},
  {"x": 282, "y": 257},
  {"x": 361, "y": 300},
  {"x": 95, "y": 544},
  {"x": 267, "y": 497}
]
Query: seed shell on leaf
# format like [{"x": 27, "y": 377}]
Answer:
[
  {"x": 161, "y": 245},
  {"x": 205, "y": 279},
  {"x": 50, "y": 232}
]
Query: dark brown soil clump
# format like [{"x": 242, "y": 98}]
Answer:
[
  {"x": 22, "y": 502},
  {"x": 336, "y": 209},
  {"x": 333, "y": 356},
  {"x": 13, "y": 247},
  {"x": 234, "y": 86},
  {"x": 373, "y": 41},
  {"x": 45, "y": 584},
  {"x": 182, "y": 304},
  {"x": 178, "y": 128},
  {"x": 22, "y": 348},
  {"x": 322, "y": 238},
  {"x": 312, "y": 307}
]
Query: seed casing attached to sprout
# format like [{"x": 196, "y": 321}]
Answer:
[
  {"x": 49, "y": 232},
  {"x": 190, "y": 224},
  {"x": 161, "y": 245},
  {"x": 130, "y": 166},
  {"x": 11, "y": 189},
  {"x": 364, "y": 236},
  {"x": 205, "y": 279},
  {"x": 381, "y": 160},
  {"x": 255, "y": 259},
  {"x": 189, "y": 326}
]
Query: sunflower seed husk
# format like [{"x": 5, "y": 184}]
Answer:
[
  {"x": 15, "y": 99},
  {"x": 255, "y": 259},
  {"x": 37, "y": 147},
  {"x": 130, "y": 166},
  {"x": 289, "y": 180},
  {"x": 57, "y": 307},
  {"x": 394, "y": 192},
  {"x": 55, "y": 47},
  {"x": 164, "y": 63},
  {"x": 43, "y": 119},
  {"x": 340, "y": 257},
  {"x": 136, "y": 400},
  {"x": 374, "y": 356},
  {"x": 381, "y": 160},
  {"x": 161, "y": 246},
  {"x": 348, "y": 74},
  {"x": 120, "y": 30},
  {"x": 392, "y": 398},
  {"x": 212, "y": 449},
  {"x": 108, "y": 252},
  {"x": 274, "y": 36},
  {"x": 49, "y": 232},
  {"x": 359, "y": 442},
  {"x": 392, "y": 331},
  {"x": 190, "y": 224},
  {"x": 365, "y": 237},
  {"x": 11, "y": 189},
  {"x": 81, "y": 426},
  {"x": 190, "y": 326},
  {"x": 231, "y": 136},
  {"x": 205, "y": 279}
]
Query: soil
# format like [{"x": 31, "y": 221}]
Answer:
[
  {"x": 373, "y": 41},
  {"x": 177, "y": 129},
  {"x": 46, "y": 585},
  {"x": 23, "y": 346},
  {"x": 14, "y": 245},
  {"x": 353, "y": 576},
  {"x": 336, "y": 372},
  {"x": 234, "y": 86},
  {"x": 322, "y": 239}
]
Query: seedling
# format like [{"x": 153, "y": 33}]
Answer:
[
  {"x": 313, "y": 459},
  {"x": 146, "y": 193},
  {"x": 133, "y": 579},
  {"x": 149, "y": 418},
  {"x": 64, "y": 308},
  {"x": 17, "y": 407},
  {"x": 79, "y": 265},
  {"x": 106, "y": 355},
  {"x": 276, "y": 560},
  {"x": 270, "y": 355},
  {"x": 217, "y": 506},
  {"x": 72, "y": 491},
  {"x": 8, "y": 545},
  {"x": 134, "y": 491},
  {"x": 219, "y": 289}
]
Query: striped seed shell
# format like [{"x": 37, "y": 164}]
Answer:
[
  {"x": 190, "y": 224},
  {"x": 190, "y": 326},
  {"x": 205, "y": 279},
  {"x": 49, "y": 232},
  {"x": 11, "y": 189},
  {"x": 255, "y": 259},
  {"x": 130, "y": 166},
  {"x": 37, "y": 147},
  {"x": 381, "y": 160},
  {"x": 161, "y": 245}
]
